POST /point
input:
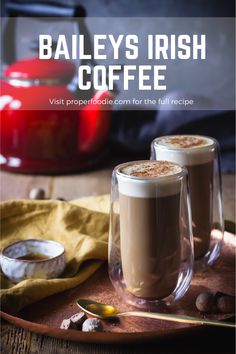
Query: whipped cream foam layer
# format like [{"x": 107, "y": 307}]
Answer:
[
  {"x": 149, "y": 179},
  {"x": 185, "y": 149}
]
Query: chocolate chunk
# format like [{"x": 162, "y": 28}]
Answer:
[
  {"x": 74, "y": 322},
  {"x": 92, "y": 325},
  {"x": 65, "y": 324},
  {"x": 77, "y": 319}
]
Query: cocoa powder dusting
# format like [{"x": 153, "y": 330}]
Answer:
[
  {"x": 186, "y": 141},
  {"x": 155, "y": 169}
]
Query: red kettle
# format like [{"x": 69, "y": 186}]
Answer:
[{"x": 37, "y": 137}]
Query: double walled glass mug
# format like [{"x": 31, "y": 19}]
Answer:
[
  {"x": 150, "y": 258},
  {"x": 200, "y": 155}
]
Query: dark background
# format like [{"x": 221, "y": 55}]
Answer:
[
  {"x": 161, "y": 8},
  {"x": 132, "y": 131}
]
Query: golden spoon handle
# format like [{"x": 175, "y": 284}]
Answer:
[{"x": 177, "y": 318}]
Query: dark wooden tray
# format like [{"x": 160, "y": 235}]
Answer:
[{"x": 46, "y": 316}]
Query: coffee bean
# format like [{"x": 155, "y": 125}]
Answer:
[
  {"x": 37, "y": 193},
  {"x": 205, "y": 302},
  {"x": 92, "y": 325},
  {"x": 226, "y": 304}
]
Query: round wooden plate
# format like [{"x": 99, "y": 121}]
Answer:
[{"x": 46, "y": 316}]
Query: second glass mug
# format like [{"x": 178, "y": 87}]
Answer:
[
  {"x": 150, "y": 258},
  {"x": 200, "y": 155}
]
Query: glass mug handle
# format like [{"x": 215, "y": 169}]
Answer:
[{"x": 217, "y": 228}]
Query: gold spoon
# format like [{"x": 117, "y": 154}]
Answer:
[{"x": 105, "y": 311}]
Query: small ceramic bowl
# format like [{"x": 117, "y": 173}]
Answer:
[{"x": 33, "y": 259}]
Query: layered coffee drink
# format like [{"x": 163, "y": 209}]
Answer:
[
  {"x": 197, "y": 154},
  {"x": 149, "y": 197}
]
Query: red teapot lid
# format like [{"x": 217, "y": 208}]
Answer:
[{"x": 35, "y": 68}]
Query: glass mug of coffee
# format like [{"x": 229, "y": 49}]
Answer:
[
  {"x": 150, "y": 258},
  {"x": 200, "y": 155}
]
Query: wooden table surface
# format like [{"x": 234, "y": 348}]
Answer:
[{"x": 17, "y": 340}]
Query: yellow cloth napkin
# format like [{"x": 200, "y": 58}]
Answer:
[{"x": 80, "y": 225}]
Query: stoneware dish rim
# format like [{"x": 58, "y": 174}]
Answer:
[{"x": 32, "y": 261}]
